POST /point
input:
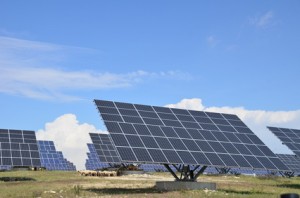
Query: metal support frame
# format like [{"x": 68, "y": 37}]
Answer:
[
  {"x": 287, "y": 174},
  {"x": 171, "y": 171},
  {"x": 126, "y": 165},
  {"x": 187, "y": 173},
  {"x": 223, "y": 170}
]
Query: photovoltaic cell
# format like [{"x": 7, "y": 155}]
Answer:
[
  {"x": 204, "y": 146},
  {"x": 52, "y": 159},
  {"x": 157, "y": 156},
  {"x": 227, "y": 159},
  {"x": 105, "y": 149},
  {"x": 146, "y": 114},
  {"x": 180, "y": 136},
  {"x": 93, "y": 162},
  {"x": 18, "y": 148},
  {"x": 149, "y": 142},
  {"x": 191, "y": 145},
  {"x": 142, "y": 155},
  {"x": 278, "y": 162},
  {"x": 201, "y": 158},
  {"x": 289, "y": 137},
  {"x": 291, "y": 161}
]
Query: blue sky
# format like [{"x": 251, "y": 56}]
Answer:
[{"x": 56, "y": 57}]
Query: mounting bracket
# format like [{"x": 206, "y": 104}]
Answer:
[{"x": 187, "y": 173}]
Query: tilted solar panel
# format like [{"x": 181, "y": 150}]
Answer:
[
  {"x": 52, "y": 159},
  {"x": 104, "y": 148},
  {"x": 291, "y": 161},
  {"x": 93, "y": 162},
  {"x": 18, "y": 148},
  {"x": 151, "y": 134},
  {"x": 66, "y": 164},
  {"x": 290, "y": 137}
]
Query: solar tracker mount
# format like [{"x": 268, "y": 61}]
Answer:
[{"x": 186, "y": 139}]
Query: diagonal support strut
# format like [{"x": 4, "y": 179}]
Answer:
[{"x": 186, "y": 173}]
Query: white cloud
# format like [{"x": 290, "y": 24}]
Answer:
[
  {"x": 25, "y": 71},
  {"x": 212, "y": 41},
  {"x": 48, "y": 83},
  {"x": 257, "y": 120},
  {"x": 193, "y": 103},
  {"x": 20, "y": 44},
  {"x": 70, "y": 137},
  {"x": 263, "y": 20}
]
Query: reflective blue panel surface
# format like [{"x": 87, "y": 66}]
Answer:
[{"x": 151, "y": 134}]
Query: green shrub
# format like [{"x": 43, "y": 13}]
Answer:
[{"x": 77, "y": 189}]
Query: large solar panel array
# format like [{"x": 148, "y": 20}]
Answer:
[
  {"x": 150, "y": 134},
  {"x": 104, "y": 148},
  {"x": 52, "y": 159},
  {"x": 93, "y": 162},
  {"x": 291, "y": 161},
  {"x": 290, "y": 137},
  {"x": 18, "y": 148}
]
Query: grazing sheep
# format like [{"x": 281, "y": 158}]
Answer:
[{"x": 98, "y": 173}]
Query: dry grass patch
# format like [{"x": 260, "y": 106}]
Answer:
[{"x": 71, "y": 184}]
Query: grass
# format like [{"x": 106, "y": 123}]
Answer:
[{"x": 71, "y": 184}]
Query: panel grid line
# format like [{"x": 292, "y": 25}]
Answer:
[
  {"x": 18, "y": 148},
  {"x": 289, "y": 137}
]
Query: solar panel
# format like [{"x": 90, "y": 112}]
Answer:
[
  {"x": 153, "y": 168},
  {"x": 151, "y": 134},
  {"x": 18, "y": 148},
  {"x": 66, "y": 164},
  {"x": 93, "y": 162},
  {"x": 291, "y": 161},
  {"x": 212, "y": 170},
  {"x": 105, "y": 149},
  {"x": 52, "y": 159},
  {"x": 289, "y": 137}
]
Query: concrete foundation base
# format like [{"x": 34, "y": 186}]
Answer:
[{"x": 182, "y": 185}]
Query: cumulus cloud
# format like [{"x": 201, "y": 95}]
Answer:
[
  {"x": 257, "y": 120},
  {"x": 263, "y": 20},
  {"x": 193, "y": 103},
  {"x": 70, "y": 137}
]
